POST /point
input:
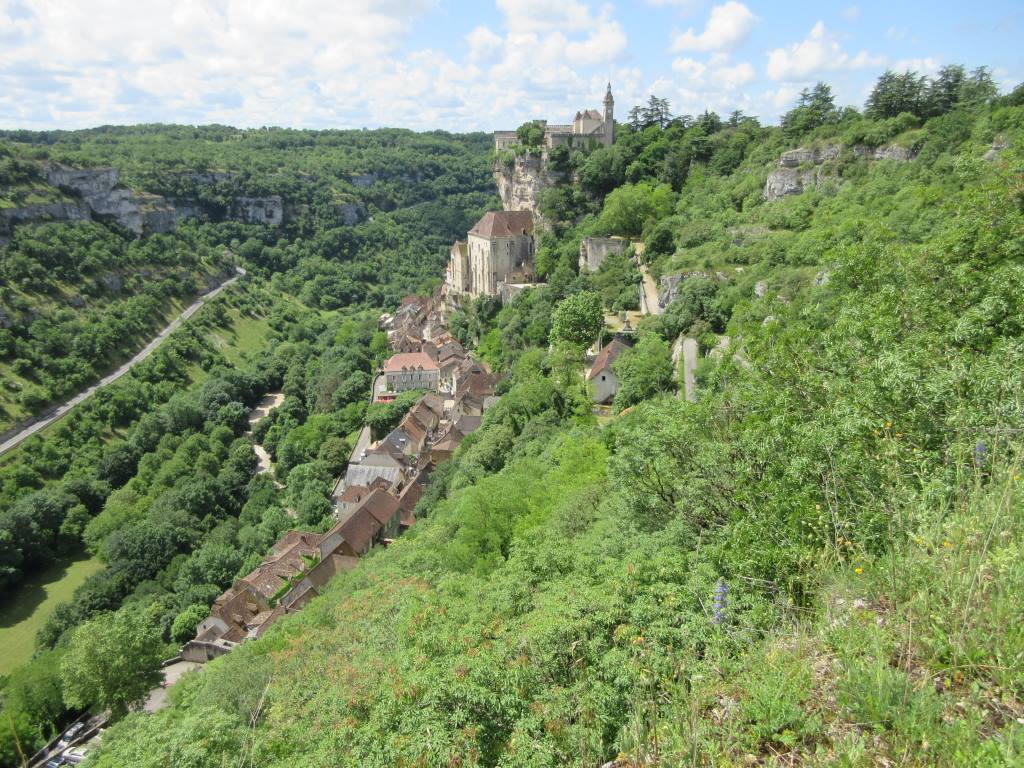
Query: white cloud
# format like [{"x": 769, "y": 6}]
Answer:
[
  {"x": 304, "y": 63},
  {"x": 545, "y": 16},
  {"x": 734, "y": 76},
  {"x": 926, "y": 66},
  {"x": 691, "y": 69},
  {"x": 819, "y": 53},
  {"x": 727, "y": 28}
]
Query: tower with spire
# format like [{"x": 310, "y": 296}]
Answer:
[{"x": 609, "y": 117}]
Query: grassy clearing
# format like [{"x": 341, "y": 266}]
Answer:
[
  {"x": 24, "y": 612},
  {"x": 245, "y": 336}
]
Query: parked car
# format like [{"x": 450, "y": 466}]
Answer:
[
  {"x": 70, "y": 735},
  {"x": 75, "y": 755},
  {"x": 55, "y": 762}
]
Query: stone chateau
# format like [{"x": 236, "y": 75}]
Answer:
[{"x": 588, "y": 126}]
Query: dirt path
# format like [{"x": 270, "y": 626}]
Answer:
[
  {"x": 268, "y": 403},
  {"x": 648, "y": 288},
  {"x": 145, "y": 352},
  {"x": 690, "y": 353}
]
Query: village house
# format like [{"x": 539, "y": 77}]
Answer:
[
  {"x": 601, "y": 377},
  {"x": 250, "y": 606},
  {"x": 588, "y": 127},
  {"x": 411, "y": 370}
]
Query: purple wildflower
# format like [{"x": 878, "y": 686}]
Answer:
[
  {"x": 721, "y": 601},
  {"x": 980, "y": 450}
]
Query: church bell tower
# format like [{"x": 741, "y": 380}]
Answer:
[{"x": 609, "y": 117}]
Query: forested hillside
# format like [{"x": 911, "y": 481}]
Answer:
[
  {"x": 817, "y": 562},
  {"x": 350, "y": 213},
  {"x": 153, "y": 477}
]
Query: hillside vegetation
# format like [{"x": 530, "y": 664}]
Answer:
[
  {"x": 818, "y": 562},
  {"x": 154, "y": 475}
]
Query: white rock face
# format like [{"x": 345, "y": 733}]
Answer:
[
  {"x": 520, "y": 185},
  {"x": 259, "y": 210},
  {"x": 816, "y": 155},
  {"x": 789, "y": 181},
  {"x": 58, "y": 211},
  {"x": 793, "y": 176},
  {"x": 101, "y": 191}
]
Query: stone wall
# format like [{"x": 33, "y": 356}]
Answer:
[{"x": 594, "y": 250}]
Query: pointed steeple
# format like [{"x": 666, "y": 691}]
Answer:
[{"x": 608, "y": 95}]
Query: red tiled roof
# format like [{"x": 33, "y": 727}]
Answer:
[
  {"x": 409, "y": 360},
  {"x": 606, "y": 357},
  {"x": 504, "y": 224},
  {"x": 382, "y": 505},
  {"x": 359, "y": 529}
]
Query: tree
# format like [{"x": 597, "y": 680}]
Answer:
[
  {"x": 112, "y": 661},
  {"x": 184, "y": 626},
  {"x": 628, "y": 209},
  {"x": 894, "y": 94},
  {"x": 578, "y": 319},
  {"x": 531, "y": 133},
  {"x": 643, "y": 371},
  {"x": 814, "y": 108}
]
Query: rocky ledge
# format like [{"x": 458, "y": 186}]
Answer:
[{"x": 801, "y": 169}]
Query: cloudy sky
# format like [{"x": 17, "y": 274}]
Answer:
[{"x": 465, "y": 64}]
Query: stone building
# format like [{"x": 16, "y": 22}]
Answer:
[
  {"x": 603, "y": 379},
  {"x": 411, "y": 370},
  {"x": 498, "y": 250},
  {"x": 589, "y": 126}
]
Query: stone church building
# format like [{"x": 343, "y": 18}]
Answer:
[
  {"x": 498, "y": 251},
  {"x": 588, "y": 126}
]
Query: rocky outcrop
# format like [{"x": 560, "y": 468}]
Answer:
[
  {"x": 258, "y": 210},
  {"x": 351, "y": 213},
  {"x": 520, "y": 184},
  {"x": 789, "y": 181},
  {"x": 105, "y": 197},
  {"x": 55, "y": 211},
  {"x": 888, "y": 152},
  {"x": 794, "y": 158},
  {"x": 998, "y": 146},
  {"x": 363, "y": 180},
  {"x": 802, "y": 169}
]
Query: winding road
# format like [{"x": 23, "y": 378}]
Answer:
[{"x": 141, "y": 355}]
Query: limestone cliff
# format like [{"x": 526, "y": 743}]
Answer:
[
  {"x": 258, "y": 210},
  {"x": 807, "y": 167},
  {"x": 101, "y": 191},
  {"x": 521, "y": 183}
]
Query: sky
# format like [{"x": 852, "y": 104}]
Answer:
[{"x": 466, "y": 65}]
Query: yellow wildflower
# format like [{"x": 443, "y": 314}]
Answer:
[
  {"x": 947, "y": 544},
  {"x": 858, "y": 570}
]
